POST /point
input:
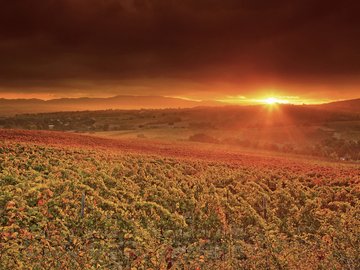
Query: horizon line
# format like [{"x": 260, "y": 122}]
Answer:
[{"x": 242, "y": 102}]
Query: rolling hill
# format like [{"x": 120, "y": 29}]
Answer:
[
  {"x": 352, "y": 105},
  {"x": 9, "y": 107},
  {"x": 20, "y": 106}
]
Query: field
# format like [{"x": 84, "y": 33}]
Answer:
[
  {"x": 290, "y": 129},
  {"x": 69, "y": 201}
]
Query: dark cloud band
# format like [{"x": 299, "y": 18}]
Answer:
[{"x": 93, "y": 42}]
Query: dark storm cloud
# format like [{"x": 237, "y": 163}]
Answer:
[{"x": 64, "y": 43}]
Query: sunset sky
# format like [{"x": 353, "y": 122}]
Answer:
[{"x": 231, "y": 50}]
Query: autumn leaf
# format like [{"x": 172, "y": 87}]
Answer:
[
  {"x": 40, "y": 202},
  {"x": 10, "y": 205}
]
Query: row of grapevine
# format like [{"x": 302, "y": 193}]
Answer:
[{"x": 151, "y": 212}]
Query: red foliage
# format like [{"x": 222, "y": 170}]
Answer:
[{"x": 230, "y": 156}]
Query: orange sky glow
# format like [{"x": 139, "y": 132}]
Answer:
[{"x": 238, "y": 52}]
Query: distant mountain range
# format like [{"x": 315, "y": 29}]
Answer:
[
  {"x": 21, "y": 106},
  {"x": 10, "y": 107}
]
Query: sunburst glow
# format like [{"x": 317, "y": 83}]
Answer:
[{"x": 274, "y": 100}]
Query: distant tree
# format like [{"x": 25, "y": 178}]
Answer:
[
  {"x": 201, "y": 137},
  {"x": 105, "y": 127},
  {"x": 288, "y": 148}
]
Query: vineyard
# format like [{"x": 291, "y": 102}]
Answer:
[{"x": 76, "y": 202}]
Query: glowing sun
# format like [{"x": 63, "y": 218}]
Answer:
[
  {"x": 274, "y": 100},
  {"x": 271, "y": 100}
]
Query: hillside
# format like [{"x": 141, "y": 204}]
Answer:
[
  {"x": 352, "y": 105},
  {"x": 20, "y": 106},
  {"x": 11, "y": 107},
  {"x": 166, "y": 207}
]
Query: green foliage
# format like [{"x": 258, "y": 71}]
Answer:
[{"x": 144, "y": 212}]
